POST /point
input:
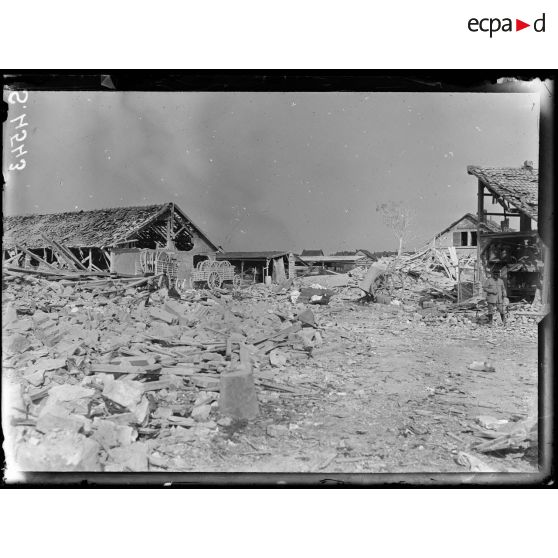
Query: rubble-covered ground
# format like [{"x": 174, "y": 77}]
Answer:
[{"x": 106, "y": 375}]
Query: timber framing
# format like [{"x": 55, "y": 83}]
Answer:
[{"x": 83, "y": 240}]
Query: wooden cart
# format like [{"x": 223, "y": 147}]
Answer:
[
  {"x": 213, "y": 274},
  {"x": 157, "y": 262}
]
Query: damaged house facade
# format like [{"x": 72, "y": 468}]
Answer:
[
  {"x": 122, "y": 240},
  {"x": 461, "y": 235},
  {"x": 515, "y": 249}
]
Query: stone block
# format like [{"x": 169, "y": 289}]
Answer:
[
  {"x": 225, "y": 421},
  {"x": 207, "y": 383},
  {"x": 277, "y": 358},
  {"x": 141, "y": 410},
  {"x": 160, "y": 330},
  {"x": 50, "y": 363},
  {"x": 59, "y": 452},
  {"x": 69, "y": 392},
  {"x": 201, "y": 413},
  {"x": 429, "y": 311},
  {"x": 10, "y": 314},
  {"x": 306, "y": 317},
  {"x": 124, "y": 392},
  {"x": 163, "y": 413},
  {"x": 160, "y": 314},
  {"x": 60, "y": 419},
  {"x": 179, "y": 311},
  {"x": 16, "y": 344},
  {"x": 132, "y": 457},
  {"x": 277, "y": 430},
  {"x": 111, "y": 435},
  {"x": 238, "y": 397}
]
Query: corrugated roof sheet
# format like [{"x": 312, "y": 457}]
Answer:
[
  {"x": 331, "y": 259},
  {"x": 269, "y": 254},
  {"x": 518, "y": 186}
]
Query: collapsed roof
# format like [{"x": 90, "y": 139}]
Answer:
[
  {"x": 103, "y": 228},
  {"x": 517, "y": 186}
]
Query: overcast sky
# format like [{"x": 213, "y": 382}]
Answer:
[{"x": 269, "y": 170}]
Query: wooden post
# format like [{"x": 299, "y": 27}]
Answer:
[
  {"x": 292, "y": 272},
  {"x": 524, "y": 223},
  {"x": 480, "y": 221},
  {"x": 242, "y": 269},
  {"x": 170, "y": 226},
  {"x": 90, "y": 259},
  {"x": 459, "y": 297}
]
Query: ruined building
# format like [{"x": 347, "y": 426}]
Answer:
[
  {"x": 510, "y": 194},
  {"x": 124, "y": 240}
]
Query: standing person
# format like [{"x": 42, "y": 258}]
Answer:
[{"x": 495, "y": 295}]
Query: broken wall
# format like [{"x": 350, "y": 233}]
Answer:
[
  {"x": 123, "y": 260},
  {"x": 463, "y": 237},
  {"x": 186, "y": 259}
]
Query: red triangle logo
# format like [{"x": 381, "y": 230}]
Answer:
[{"x": 519, "y": 25}]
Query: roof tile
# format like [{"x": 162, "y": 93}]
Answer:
[{"x": 518, "y": 186}]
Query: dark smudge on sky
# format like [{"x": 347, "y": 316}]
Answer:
[{"x": 270, "y": 170}]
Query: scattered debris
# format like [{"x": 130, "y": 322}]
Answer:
[
  {"x": 277, "y": 430},
  {"x": 474, "y": 464},
  {"x": 114, "y": 374},
  {"x": 507, "y": 436},
  {"x": 481, "y": 366}
]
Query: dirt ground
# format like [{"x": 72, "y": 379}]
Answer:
[
  {"x": 383, "y": 389},
  {"x": 386, "y": 394}
]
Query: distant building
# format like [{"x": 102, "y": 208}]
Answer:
[
  {"x": 312, "y": 253},
  {"x": 276, "y": 264},
  {"x": 462, "y": 235},
  {"x": 323, "y": 264}
]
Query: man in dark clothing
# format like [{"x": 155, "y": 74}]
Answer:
[{"x": 495, "y": 295}]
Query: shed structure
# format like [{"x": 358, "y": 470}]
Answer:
[
  {"x": 256, "y": 266},
  {"x": 338, "y": 264},
  {"x": 108, "y": 239}
]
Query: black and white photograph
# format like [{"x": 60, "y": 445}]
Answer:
[{"x": 336, "y": 282}]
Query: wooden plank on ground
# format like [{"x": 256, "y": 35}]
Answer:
[
  {"x": 118, "y": 369},
  {"x": 59, "y": 273}
]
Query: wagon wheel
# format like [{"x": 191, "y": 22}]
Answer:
[
  {"x": 236, "y": 281},
  {"x": 214, "y": 280}
]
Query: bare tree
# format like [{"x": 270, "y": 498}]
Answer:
[{"x": 398, "y": 218}]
